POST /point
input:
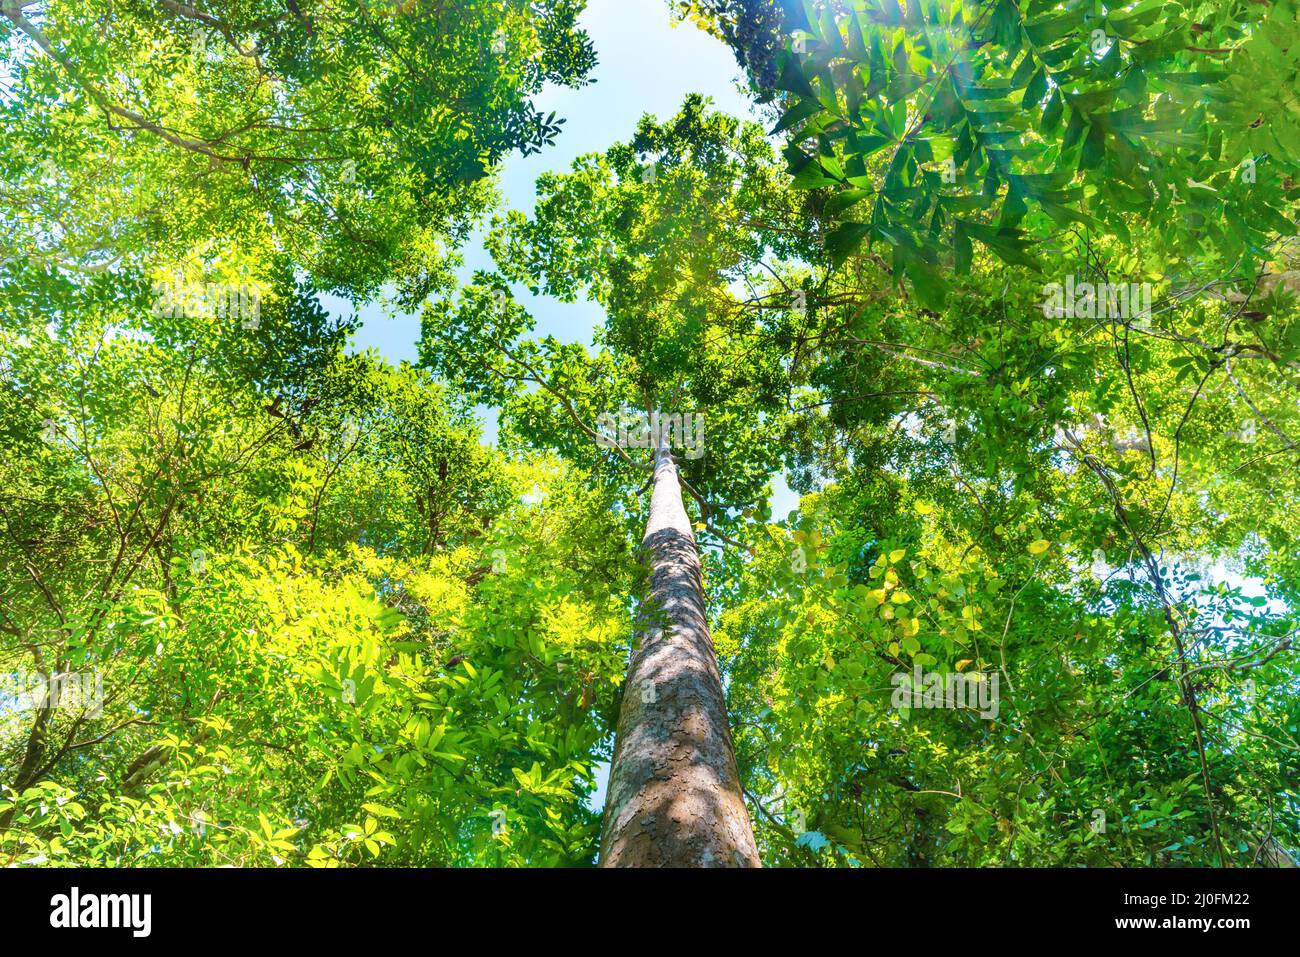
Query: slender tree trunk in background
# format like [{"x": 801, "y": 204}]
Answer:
[{"x": 674, "y": 797}]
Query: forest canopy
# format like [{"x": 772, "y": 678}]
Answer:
[{"x": 1003, "y": 289}]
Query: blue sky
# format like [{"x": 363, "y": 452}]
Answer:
[{"x": 646, "y": 65}]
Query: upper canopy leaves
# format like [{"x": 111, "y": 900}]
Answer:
[{"x": 939, "y": 123}]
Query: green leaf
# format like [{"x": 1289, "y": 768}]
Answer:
[
  {"x": 797, "y": 114},
  {"x": 844, "y": 239}
]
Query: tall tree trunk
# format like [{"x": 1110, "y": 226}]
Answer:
[{"x": 674, "y": 797}]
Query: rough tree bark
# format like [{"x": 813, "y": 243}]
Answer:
[{"x": 674, "y": 797}]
